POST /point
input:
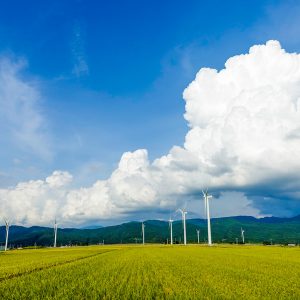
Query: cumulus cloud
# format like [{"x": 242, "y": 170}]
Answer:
[
  {"x": 59, "y": 179},
  {"x": 245, "y": 119},
  {"x": 35, "y": 201},
  {"x": 243, "y": 141},
  {"x": 22, "y": 123}
]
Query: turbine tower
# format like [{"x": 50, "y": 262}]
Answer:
[
  {"x": 143, "y": 232},
  {"x": 198, "y": 235},
  {"x": 55, "y": 233},
  {"x": 171, "y": 231},
  {"x": 243, "y": 235},
  {"x": 206, "y": 197},
  {"x": 183, "y": 213},
  {"x": 7, "y": 231}
]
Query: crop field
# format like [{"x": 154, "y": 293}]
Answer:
[{"x": 151, "y": 272}]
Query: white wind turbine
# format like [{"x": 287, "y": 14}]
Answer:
[
  {"x": 198, "y": 235},
  {"x": 7, "y": 231},
  {"x": 143, "y": 232},
  {"x": 206, "y": 197},
  {"x": 183, "y": 214},
  {"x": 243, "y": 235},
  {"x": 55, "y": 233},
  {"x": 171, "y": 230}
]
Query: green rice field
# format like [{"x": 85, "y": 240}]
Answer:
[{"x": 151, "y": 272}]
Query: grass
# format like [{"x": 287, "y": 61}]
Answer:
[
  {"x": 151, "y": 272},
  {"x": 16, "y": 263}
]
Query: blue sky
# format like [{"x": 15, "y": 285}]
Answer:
[
  {"x": 110, "y": 74},
  {"x": 128, "y": 94}
]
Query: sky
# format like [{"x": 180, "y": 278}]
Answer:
[{"x": 113, "y": 111}]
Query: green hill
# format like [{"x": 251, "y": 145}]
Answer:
[{"x": 265, "y": 230}]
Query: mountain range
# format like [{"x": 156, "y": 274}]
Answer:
[{"x": 227, "y": 230}]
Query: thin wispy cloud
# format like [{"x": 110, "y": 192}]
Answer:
[
  {"x": 23, "y": 124},
  {"x": 80, "y": 65}
]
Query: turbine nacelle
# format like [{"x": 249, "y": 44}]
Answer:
[
  {"x": 205, "y": 194},
  {"x": 182, "y": 211}
]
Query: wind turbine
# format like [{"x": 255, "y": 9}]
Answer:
[
  {"x": 7, "y": 231},
  {"x": 243, "y": 235},
  {"x": 171, "y": 230},
  {"x": 55, "y": 233},
  {"x": 183, "y": 213},
  {"x": 198, "y": 235},
  {"x": 206, "y": 197},
  {"x": 143, "y": 232}
]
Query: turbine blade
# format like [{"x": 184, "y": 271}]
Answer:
[{"x": 185, "y": 205}]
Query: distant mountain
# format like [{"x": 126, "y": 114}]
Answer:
[
  {"x": 267, "y": 230},
  {"x": 92, "y": 227}
]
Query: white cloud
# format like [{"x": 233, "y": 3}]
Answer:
[
  {"x": 244, "y": 133},
  {"x": 242, "y": 118},
  {"x": 35, "y": 201},
  {"x": 59, "y": 179},
  {"x": 22, "y": 123}
]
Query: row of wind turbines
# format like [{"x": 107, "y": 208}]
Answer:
[
  {"x": 7, "y": 224},
  {"x": 183, "y": 212}
]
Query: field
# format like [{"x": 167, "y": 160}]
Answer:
[{"x": 151, "y": 272}]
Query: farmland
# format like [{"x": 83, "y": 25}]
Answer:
[{"x": 153, "y": 271}]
